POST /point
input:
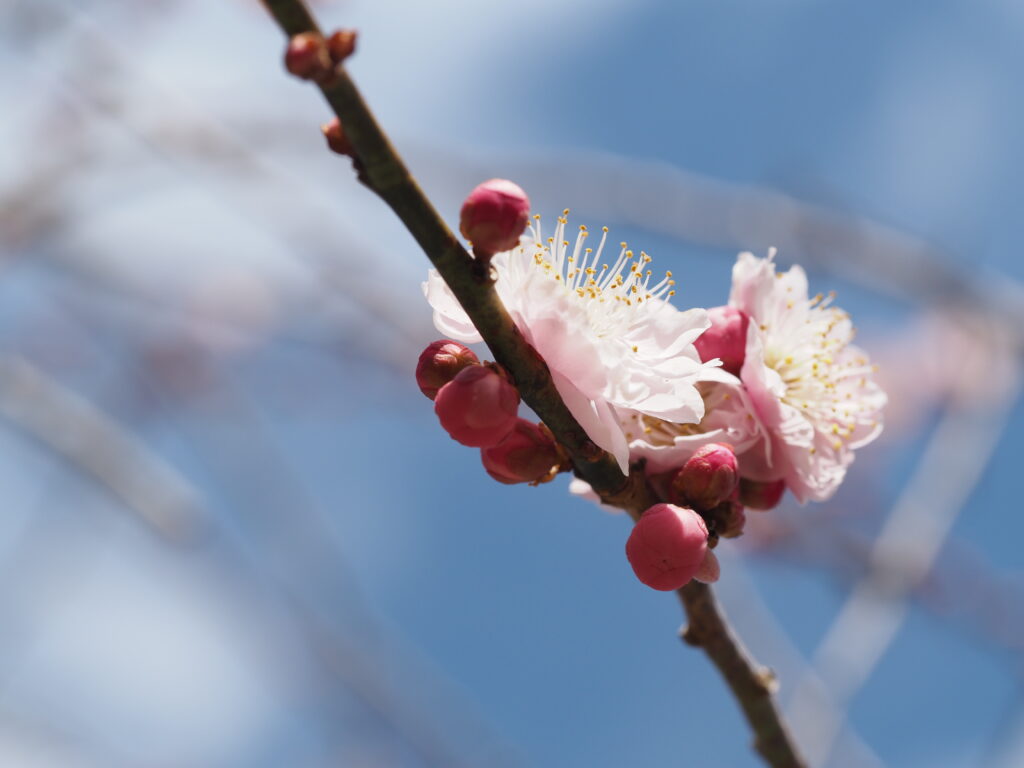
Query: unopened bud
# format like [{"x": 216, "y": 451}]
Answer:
[
  {"x": 709, "y": 569},
  {"x": 441, "y": 362},
  {"x": 341, "y": 44},
  {"x": 494, "y": 216},
  {"x": 707, "y": 478},
  {"x": 726, "y": 339},
  {"x": 307, "y": 57},
  {"x": 337, "y": 141},
  {"x": 761, "y": 496},
  {"x": 527, "y": 455},
  {"x": 478, "y": 407},
  {"x": 667, "y": 546}
]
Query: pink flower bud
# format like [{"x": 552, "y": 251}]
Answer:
[
  {"x": 707, "y": 478},
  {"x": 709, "y": 569},
  {"x": 439, "y": 363},
  {"x": 526, "y": 455},
  {"x": 478, "y": 407},
  {"x": 307, "y": 56},
  {"x": 667, "y": 546},
  {"x": 341, "y": 44},
  {"x": 758, "y": 495},
  {"x": 725, "y": 339},
  {"x": 494, "y": 216}
]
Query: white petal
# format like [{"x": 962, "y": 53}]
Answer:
[
  {"x": 597, "y": 420},
  {"x": 449, "y": 316}
]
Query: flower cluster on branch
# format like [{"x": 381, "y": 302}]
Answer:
[{"x": 722, "y": 410}]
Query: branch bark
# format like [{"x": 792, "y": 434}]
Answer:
[{"x": 386, "y": 174}]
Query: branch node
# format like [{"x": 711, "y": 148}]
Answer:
[
  {"x": 689, "y": 635},
  {"x": 768, "y": 680}
]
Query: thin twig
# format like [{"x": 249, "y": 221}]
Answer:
[{"x": 385, "y": 173}]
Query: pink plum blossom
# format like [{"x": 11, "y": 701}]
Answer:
[
  {"x": 606, "y": 330},
  {"x": 812, "y": 393}
]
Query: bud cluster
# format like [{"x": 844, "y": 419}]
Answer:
[
  {"x": 311, "y": 57},
  {"x": 477, "y": 406},
  {"x": 672, "y": 543}
]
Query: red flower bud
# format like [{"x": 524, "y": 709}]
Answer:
[
  {"x": 667, "y": 546},
  {"x": 760, "y": 496},
  {"x": 439, "y": 363},
  {"x": 307, "y": 57},
  {"x": 707, "y": 478},
  {"x": 494, "y": 216},
  {"x": 526, "y": 455},
  {"x": 478, "y": 407},
  {"x": 725, "y": 339},
  {"x": 341, "y": 44}
]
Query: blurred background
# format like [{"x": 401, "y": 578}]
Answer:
[{"x": 232, "y": 533}]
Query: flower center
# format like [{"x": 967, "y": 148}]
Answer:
[
  {"x": 662, "y": 434},
  {"x": 802, "y": 345},
  {"x": 608, "y": 294}
]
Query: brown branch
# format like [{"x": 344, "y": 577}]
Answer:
[
  {"x": 384, "y": 172},
  {"x": 753, "y": 685}
]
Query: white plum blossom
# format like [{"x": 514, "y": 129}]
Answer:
[
  {"x": 811, "y": 392},
  {"x": 607, "y": 332}
]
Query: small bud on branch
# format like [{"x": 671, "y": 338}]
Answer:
[
  {"x": 341, "y": 44},
  {"x": 307, "y": 57},
  {"x": 478, "y": 407},
  {"x": 667, "y": 546},
  {"x": 494, "y": 215},
  {"x": 527, "y": 455},
  {"x": 726, "y": 339},
  {"x": 441, "y": 362},
  {"x": 707, "y": 479}
]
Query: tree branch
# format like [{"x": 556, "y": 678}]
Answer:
[{"x": 385, "y": 173}]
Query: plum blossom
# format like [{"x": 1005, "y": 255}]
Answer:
[
  {"x": 812, "y": 393},
  {"x": 608, "y": 333}
]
